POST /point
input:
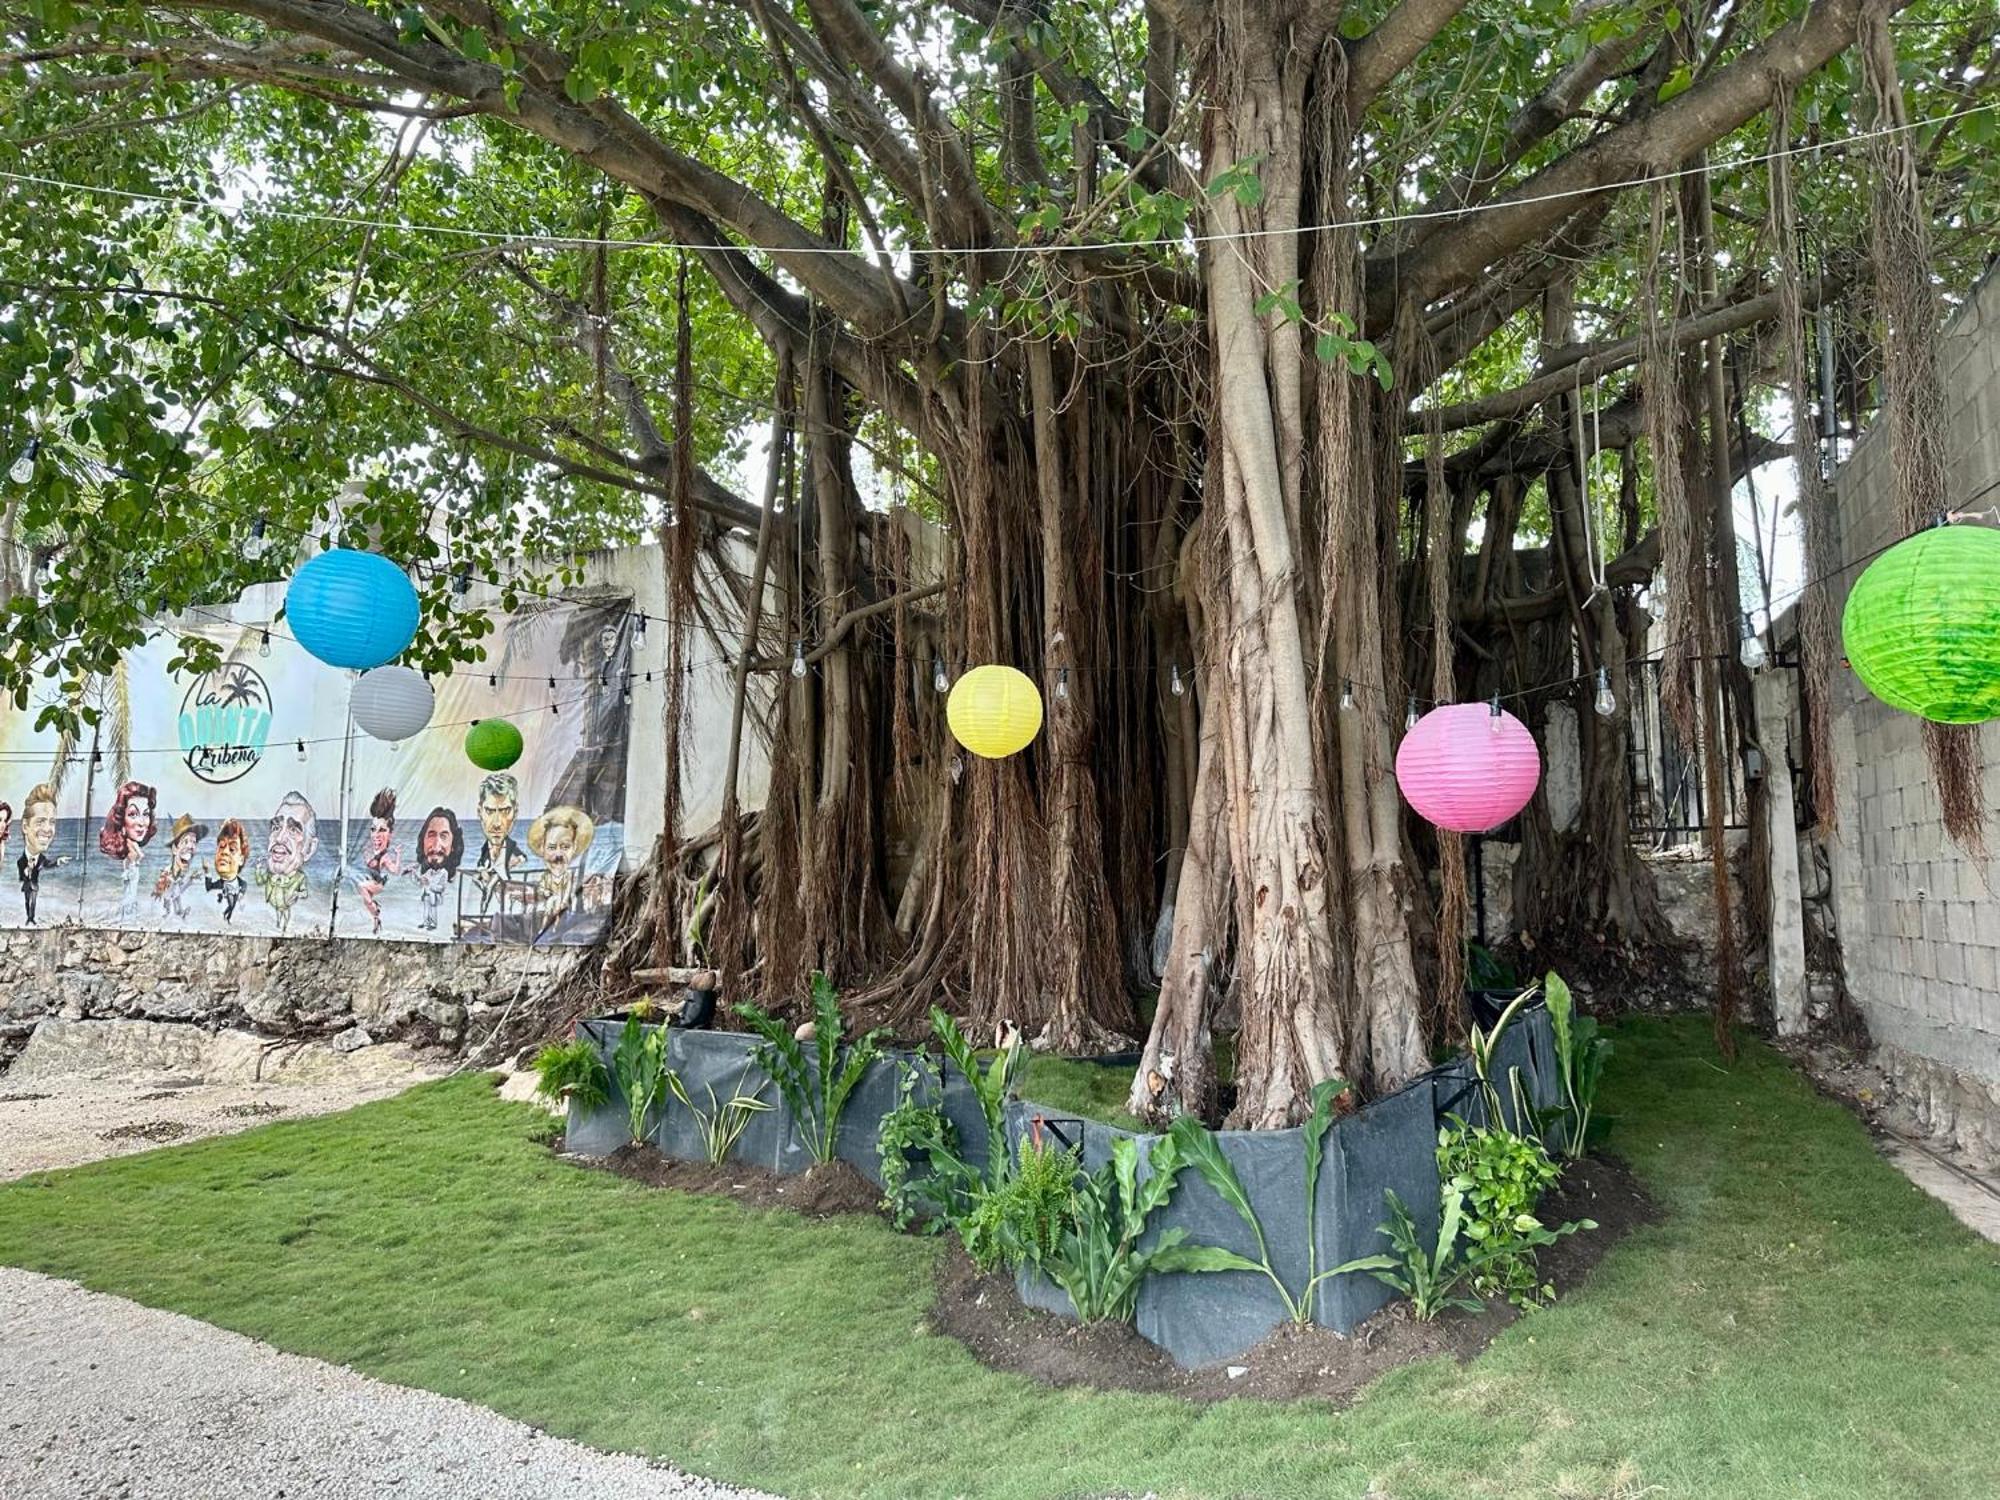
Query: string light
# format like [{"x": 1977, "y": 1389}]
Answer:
[
  {"x": 1174, "y": 683},
  {"x": 302, "y": 752},
  {"x": 625, "y": 693},
  {"x": 257, "y": 544},
  {"x": 798, "y": 658},
  {"x": 1062, "y": 683},
  {"x": 493, "y": 681},
  {"x": 1347, "y": 695},
  {"x": 1751, "y": 653},
  {"x": 939, "y": 682},
  {"x": 24, "y": 466},
  {"x": 957, "y": 769},
  {"x": 1606, "y": 705},
  {"x": 639, "y": 629},
  {"x": 264, "y": 644},
  {"x": 1493, "y": 719},
  {"x": 1410, "y": 715}
]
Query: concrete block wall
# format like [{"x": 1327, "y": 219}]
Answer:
[{"x": 1918, "y": 916}]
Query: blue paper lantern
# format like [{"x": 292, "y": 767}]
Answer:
[{"x": 352, "y": 609}]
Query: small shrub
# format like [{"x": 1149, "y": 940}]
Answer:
[
  {"x": 1198, "y": 1147},
  {"x": 572, "y": 1072},
  {"x": 1429, "y": 1274},
  {"x": 1580, "y": 1057},
  {"x": 640, "y": 1065},
  {"x": 721, "y": 1125},
  {"x": 815, "y": 1094},
  {"x": 1021, "y": 1221},
  {"x": 926, "y": 1181},
  {"x": 1096, "y": 1256},
  {"x": 1501, "y": 1177}
]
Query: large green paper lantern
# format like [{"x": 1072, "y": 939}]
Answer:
[
  {"x": 1922, "y": 625},
  {"x": 492, "y": 744}
]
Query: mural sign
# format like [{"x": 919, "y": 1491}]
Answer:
[{"x": 243, "y": 801}]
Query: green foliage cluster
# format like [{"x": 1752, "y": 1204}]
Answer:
[
  {"x": 1580, "y": 1057},
  {"x": 722, "y": 1124},
  {"x": 571, "y": 1072},
  {"x": 1500, "y": 1176},
  {"x": 639, "y": 1063},
  {"x": 815, "y": 1088}
]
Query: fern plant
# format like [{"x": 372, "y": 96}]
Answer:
[
  {"x": 1021, "y": 1221},
  {"x": 817, "y": 1089},
  {"x": 1197, "y": 1144},
  {"x": 721, "y": 1125},
  {"x": 571, "y": 1072},
  {"x": 640, "y": 1065}
]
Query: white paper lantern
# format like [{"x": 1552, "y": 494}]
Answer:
[{"x": 392, "y": 703}]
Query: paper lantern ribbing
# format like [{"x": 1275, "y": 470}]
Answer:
[
  {"x": 1464, "y": 769},
  {"x": 352, "y": 609},
  {"x": 1922, "y": 625},
  {"x": 492, "y": 744},
  {"x": 994, "y": 711},
  {"x": 392, "y": 703}
]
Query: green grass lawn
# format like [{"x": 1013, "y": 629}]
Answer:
[{"x": 1804, "y": 1322}]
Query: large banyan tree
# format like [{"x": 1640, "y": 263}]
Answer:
[{"x": 1244, "y": 371}]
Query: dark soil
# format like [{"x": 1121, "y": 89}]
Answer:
[
  {"x": 983, "y": 1313},
  {"x": 819, "y": 1192}
]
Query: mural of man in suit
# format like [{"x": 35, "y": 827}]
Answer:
[
  {"x": 38, "y": 831},
  {"x": 290, "y": 845},
  {"x": 499, "y": 807}
]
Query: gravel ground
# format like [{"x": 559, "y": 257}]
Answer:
[{"x": 102, "y": 1399}]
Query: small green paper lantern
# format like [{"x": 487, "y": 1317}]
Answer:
[
  {"x": 1922, "y": 625},
  {"x": 492, "y": 744}
]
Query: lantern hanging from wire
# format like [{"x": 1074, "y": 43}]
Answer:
[
  {"x": 392, "y": 703},
  {"x": 352, "y": 609},
  {"x": 994, "y": 711},
  {"x": 492, "y": 744},
  {"x": 1468, "y": 767},
  {"x": 1922, "y": 625}
]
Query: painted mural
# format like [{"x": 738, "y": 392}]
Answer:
[{"x": 244, "y": 802}]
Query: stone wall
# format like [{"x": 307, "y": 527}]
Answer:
[
  {"x": 1918, "y": 917},
  {"x": 355, "y": 992}
]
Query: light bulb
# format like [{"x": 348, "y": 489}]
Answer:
[
  {"x": 1751, "y": 652},
  {"x": 264, "y": 644},
  {"x": 394, "y": 746},
  {"x": 1656, "y": 606},
  {"x": 256, "y": 544},
  {"x": 1606, "y": 705},
  {"x": 1347, "y": 696},
  {"x": 302, "y": 752},
  {"x": 462, "y": 584},
  {"x": 939, "y": 682},
  {"x": 552, "y": 685},
  {"x": 673, "y": 516},
  {"x": 1410, "y": 716},
  {"x": 625, "y": 695},
  {"x": 1174, "y": 682},
  {"x": 957, "y": 769},
  {"x": 1493, "y": 718},
  {"x": 798, "y": 658},
  {"x": 24, "y": 466},
  {"x": 493, "y": 681},
  {"x": 1062, "y": 683},
  {"x": 639, "y": 630}
]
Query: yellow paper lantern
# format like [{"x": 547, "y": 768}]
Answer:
[{"x": 994, "y": 711}]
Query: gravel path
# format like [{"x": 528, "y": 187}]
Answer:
[{"x": 102, "y": 1399}]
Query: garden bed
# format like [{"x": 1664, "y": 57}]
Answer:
[
  {"x": 834, "y": 1188},
  {"x": 1198, "y": 1318}
]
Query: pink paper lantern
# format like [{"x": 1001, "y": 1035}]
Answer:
[{"x": 1464, "y": 769}]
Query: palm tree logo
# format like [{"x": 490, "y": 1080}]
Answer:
[
  {"x": 240, "y": 687},
  {"x": 225, "y": 722}
]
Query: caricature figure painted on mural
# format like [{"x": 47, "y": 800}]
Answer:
[
  {"x": 440, "y": 848},
  {"x": 6, "y": 826},
  {"x": 381, "y": 862},
  {"x": 128, "y": 828},
  {"x": 499, "y": 806},
  {"x": 171, "y": 889},
  {"x": 232, "y": 853},
  {"x": 38, "y": 831},
  {"x": 293, "y": 840},
  {"x": 561, "y": 836}
]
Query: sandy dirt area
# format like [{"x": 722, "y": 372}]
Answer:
[{"x": 86, "y": 1090}]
